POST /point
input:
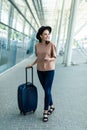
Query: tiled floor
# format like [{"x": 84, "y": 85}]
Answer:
[{"x": 69, "y": 94}]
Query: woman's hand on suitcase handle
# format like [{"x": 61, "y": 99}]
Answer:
[{"x": 29, "y": 66}]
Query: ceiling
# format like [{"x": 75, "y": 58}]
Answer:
[
  {"x": 52, "y": 9},
  {"x": 49, "y": 12}
]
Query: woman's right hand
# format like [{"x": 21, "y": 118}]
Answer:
[{"x": 29, "y": 66}]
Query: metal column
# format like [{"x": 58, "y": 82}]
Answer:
[
  {"x": 70, "y": 34},
  {"x": 60, "y": 23}
]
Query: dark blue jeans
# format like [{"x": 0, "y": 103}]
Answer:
[{"x": 46, "y": 80}]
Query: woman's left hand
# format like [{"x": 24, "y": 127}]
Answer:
[{"x": 47, "y": 59}]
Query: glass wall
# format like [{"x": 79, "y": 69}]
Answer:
[{"x": 17, "y": 33}]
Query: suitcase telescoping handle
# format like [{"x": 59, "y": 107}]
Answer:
[{"x": 26, "y": 71}]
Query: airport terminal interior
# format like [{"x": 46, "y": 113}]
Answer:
[{"x": 19, "y": 23}]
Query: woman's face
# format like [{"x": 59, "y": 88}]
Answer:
[{"x": 45, "y": 35}]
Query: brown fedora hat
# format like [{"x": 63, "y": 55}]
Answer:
[{"x": 41, "y": 29}]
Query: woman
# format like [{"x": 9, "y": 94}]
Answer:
[{"x": 46, "y": 55}]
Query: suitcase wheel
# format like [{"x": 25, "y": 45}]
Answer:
[
  {"x": 22, "y": 113},
  {"x": 33, "y": 111}
]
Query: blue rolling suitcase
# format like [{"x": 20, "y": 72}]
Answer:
[{"x": 27, "y": 96}]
